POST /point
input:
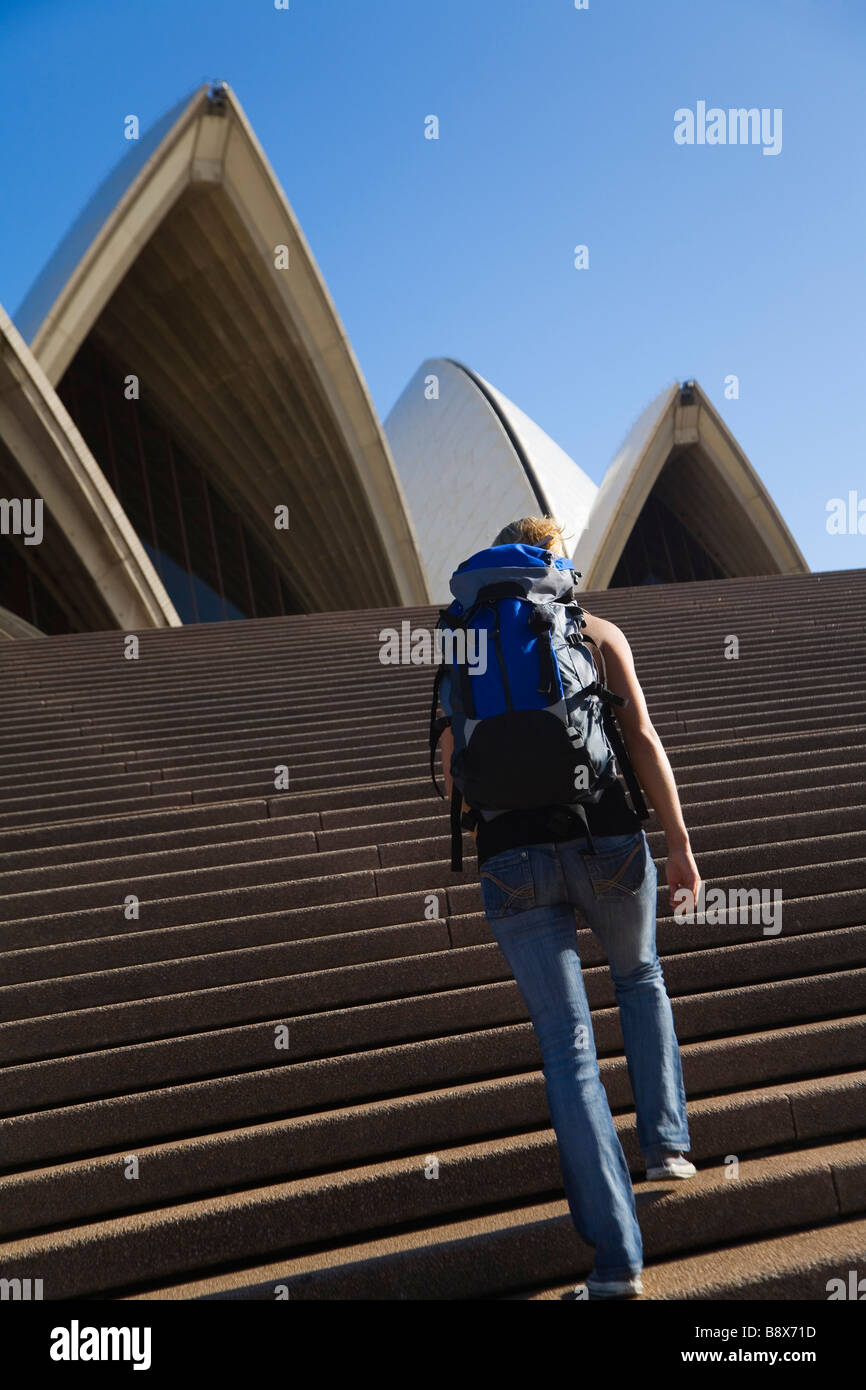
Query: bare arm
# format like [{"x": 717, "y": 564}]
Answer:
[{"x": 646, "y": 752}]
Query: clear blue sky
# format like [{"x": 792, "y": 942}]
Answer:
[{"x": 556, "y": 128}]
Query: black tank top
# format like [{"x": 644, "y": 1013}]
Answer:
[{"x": 611, "y": 815}]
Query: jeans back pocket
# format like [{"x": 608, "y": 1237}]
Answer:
[
  {"x": 507, "y": 885},
  {"x": 618, "y": 873}
]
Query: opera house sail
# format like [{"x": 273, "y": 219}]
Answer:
[{"x": 188, "y": 333}]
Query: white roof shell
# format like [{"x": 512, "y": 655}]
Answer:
[{"x": 469, "y": 461}]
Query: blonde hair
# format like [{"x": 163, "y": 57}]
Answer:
[{"x": 534, "y": 530}]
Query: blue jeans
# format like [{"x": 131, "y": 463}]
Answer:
[{"x": 532, "y": 897}]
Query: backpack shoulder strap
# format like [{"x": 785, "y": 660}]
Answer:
[
  {"x": 628, "y": 772},
  {"x": 456, "y": 829},
  {"x": 615, "y": 737}
]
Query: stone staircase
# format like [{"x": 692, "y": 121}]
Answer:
[{"x": 240, "y": 1090}]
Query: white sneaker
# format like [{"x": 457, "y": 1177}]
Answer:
[
  {"x": 672, "y": 1166},
  {"x": 614, "y": 1288}
]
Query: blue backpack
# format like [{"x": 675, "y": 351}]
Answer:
[{"x": 530, "y": 717}]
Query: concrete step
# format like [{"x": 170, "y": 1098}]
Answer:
[
  {"x": 308, "y": 937},
  {"x": 240, "y": 868},
  {"x": 772, "y": 957},
  {"x": 481, "y": 1255},
  {"x": 494, "y": 1074},
  {"x": 804, "y": 1266},
  {"x": 211, "y": 1163},
  {"x": 240, "y": 1027}
]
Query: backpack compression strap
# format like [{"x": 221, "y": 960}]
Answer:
[{"x": 541, "y": 622}]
